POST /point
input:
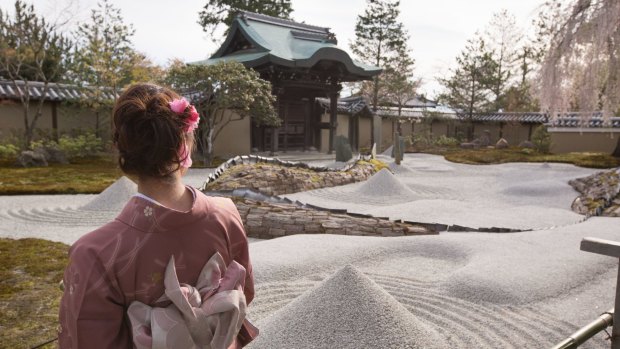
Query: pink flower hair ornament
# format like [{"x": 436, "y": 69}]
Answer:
[{"x": 180, "y": 106}]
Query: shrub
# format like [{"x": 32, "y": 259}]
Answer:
[
  {"x": 446, "y": 141},
  {"x": 542, "y": 139},
  {"x": 80, "y": 146},
  {"x": 8, "y": 151}
]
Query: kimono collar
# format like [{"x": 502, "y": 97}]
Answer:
[{"x": 150, "y": 217}]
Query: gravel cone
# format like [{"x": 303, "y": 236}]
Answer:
[
  {"x": 383, "y": 183},
  {"x": 114, "y": 197},
  {"x": 348, "y": 310}
]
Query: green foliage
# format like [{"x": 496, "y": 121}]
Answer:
[
  {"x": 222, "y": 93},
  {"x": 81, "y": 146},
  {"x": 217, "y": 12},
  {"x": 8, "y": 151},
  {"x": 381, "y": 40},
  {"x": 542, "y": 139},
  {"x": 468, "y": 89},
  {"x": 104, "y": 58},
  {"x": 31, "y": 50},
  {"x": 343, "y": 149},
  {"x": 446, "y": 141}
]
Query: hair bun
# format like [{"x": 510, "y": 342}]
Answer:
[{"x": 147, "y": 133}]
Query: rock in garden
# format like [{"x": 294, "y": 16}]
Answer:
[
  {"x": 467, "y": 145},
  {"x": 526, "y": 144},
  {"x": 53, "y": 155},
  {"x": 501, "y": 144},
  {"x": 29, "y": 158},
  {"x": 485, "y": 139}
]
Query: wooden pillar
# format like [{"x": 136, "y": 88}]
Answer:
[
  {"x": 501, "y": 130},
  {"x": 285, "y": 129},
  {"x": 333, "y": 118},
  {"x": 55, "y": 121},
  {"x": 529, "y": 133}
]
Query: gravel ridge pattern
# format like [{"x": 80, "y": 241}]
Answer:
[{"x": 470, "y": 290}]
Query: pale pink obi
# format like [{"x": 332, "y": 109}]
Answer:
[{"x": 209, "y": 315}]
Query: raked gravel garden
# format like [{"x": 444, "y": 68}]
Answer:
[{"x": 526, "y": 289}]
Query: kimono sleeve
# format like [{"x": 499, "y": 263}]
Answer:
[
  {"x": 240, "y": 252},
  {"x": 91, "y": 308}
]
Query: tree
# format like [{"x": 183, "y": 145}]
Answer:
[
  {"x": 105, "y": 60},
  {"x": 223, "y": 93},
  {"x": 581, "y": 69},
  {"x": 468, "y": 90},
  {"x": 399, "y": 85},
  {"x": 503, "y": 38},
  {"x": 379, "y": 38},
  {"x": 31, "y": 50},
  {"x": 217, "y": 12}
]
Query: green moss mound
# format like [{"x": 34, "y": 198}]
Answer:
[{"x": 30, "y": 271}]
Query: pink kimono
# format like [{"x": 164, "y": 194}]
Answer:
[{"x": 126, "y": 260}]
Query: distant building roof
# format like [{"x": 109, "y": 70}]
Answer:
[
  {"x": 255, "y": 40},
  {"x": 537, "y": 118},
  {"x": 55, "y": 91},
  {"x": 575, "y": 121},
  {"x": 348, "y": 105}
]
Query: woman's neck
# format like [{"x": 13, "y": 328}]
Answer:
[{"x": 170, "y": 192}]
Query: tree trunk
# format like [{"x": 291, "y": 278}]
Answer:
[{"x": 208, "y": 156}]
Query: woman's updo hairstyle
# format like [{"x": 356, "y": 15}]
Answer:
[{"x": 147, "y": 133}]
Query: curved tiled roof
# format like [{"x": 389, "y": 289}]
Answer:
[
  {"x": 349, "y": 105},
  {"x": 537, "y": 118},
  {"x": 286, "y": 43},
  {"x": 55, "y": 91},
  {"x": 585, "y": 122}
]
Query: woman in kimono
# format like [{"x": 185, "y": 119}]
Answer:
[{"x": 166, "y": 231}]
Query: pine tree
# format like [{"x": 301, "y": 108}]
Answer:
[
  {"x": 104, "y": 55},
  {"x": 105, "y": 60},
  {"x": 217, "y": 12},
  {"x": 468, "y": 90},
  {"x": 31, "y": 50},
  {"x": 379, "y": 39}
]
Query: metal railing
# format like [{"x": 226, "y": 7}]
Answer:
[
  {"x": 606, "y": 248},
  {"x": 587, "y": 332}
]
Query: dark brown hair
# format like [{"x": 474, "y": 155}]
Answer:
[{"x": 147, "y": 133}]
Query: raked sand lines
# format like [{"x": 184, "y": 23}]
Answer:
[{"x": 458, "y": 322}]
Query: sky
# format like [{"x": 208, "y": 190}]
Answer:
[{"x": 438, "y": 29}]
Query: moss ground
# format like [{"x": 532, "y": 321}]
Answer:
[
  {"x": 84, "y": 176},
  {"x": 500, "y": 156},
  {"x": 30, "y": 270}
]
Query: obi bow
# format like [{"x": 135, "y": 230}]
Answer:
[{"x": 209, "y": 315}]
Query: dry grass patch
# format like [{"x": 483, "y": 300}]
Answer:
[{"x": 30, "y": 270}]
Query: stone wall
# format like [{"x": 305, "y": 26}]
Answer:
[
  {"x": 600, "y": 194},
  {"x": 275, "y": 177},
  {"x": 268, "y": 220}
]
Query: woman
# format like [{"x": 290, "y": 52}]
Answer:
[{"x": 166, "y": 225}]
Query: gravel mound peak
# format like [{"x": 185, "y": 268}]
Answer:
[
  {"x": 114, "y": 197},
  {"x": 383, "y": 183},
  {"x": 348, "y": 310}
]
